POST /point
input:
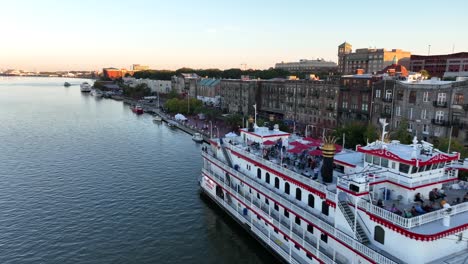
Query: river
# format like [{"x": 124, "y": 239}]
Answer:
[{"x": 85, "y": 180}]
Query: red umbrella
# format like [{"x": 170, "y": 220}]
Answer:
[
  {"x": 298, "y": 144},
  {"x": 316, "y": 152},
  {"x": 268, "y": 143}
]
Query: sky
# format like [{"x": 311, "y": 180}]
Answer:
[{"x": 50, "y": 35}]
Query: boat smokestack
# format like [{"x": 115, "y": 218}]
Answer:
[
  {"x": 251, "y": 125},
  {"x": 271, "y": 124},
  {"x": 328, "y": 152}
]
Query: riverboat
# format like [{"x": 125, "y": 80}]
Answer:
[
  {"x": 85, "y": 87},
  {"x": 157, "y": 118},
  {"x": 137, "y": 109},
  {"x": 385, "y": 202}
]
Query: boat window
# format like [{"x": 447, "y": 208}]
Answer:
[
  {"x": 404, "y": 168},
  {"x": 384, "y": 163},
  {"x": 286, "y": 213},
  {"x": 311, "y": 200},
  {"x": 286, "y": 187},
  {"x": 267, "y": 177},
  {"x": 421, "y": 169},
  {"x": 325, "y": 208},
  {"x": 258, "y": 195},
  {"x": 297, "y": 220},
  {"x": 414, "y": 169},
  {"x": 276, "y": 207},
  {"x": 310, "y": 228},
  {"x": 368, "y": 158},
  {"x": 259, "y": 173},
  {"x": 376, "y": 160},
  {"x": 267, "y": 201},
  {"x": 298, "y": 194},
  {"x": 441, "y": 165},
  {"x": 324, "y": 237},
  {"x": 379, "y": 234},
  {"x": 276, "y": 183}
]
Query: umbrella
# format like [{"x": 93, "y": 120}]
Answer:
[
  {"x": 298, "y": 144},
  {"x": 316, "y": 152},
  {"x": 268, "y": 143}
]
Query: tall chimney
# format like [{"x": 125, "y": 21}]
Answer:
[
  {"x": 328, "y": 152},
  {"x": 271, "y": 124},
  {"x": 251, "y": 124}
]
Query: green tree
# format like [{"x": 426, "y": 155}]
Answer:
[
  {"x": 354, "y": 134},
  {"x": 371, "y": 133},
  {"x": 402, "y": 133},
  {"x": 443, "y": 145}
]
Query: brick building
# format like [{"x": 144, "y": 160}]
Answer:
[
  {"x": 114, "y": 73},
  {"x": 239, "y": 96},
  {"x": 450, "y": 65}
]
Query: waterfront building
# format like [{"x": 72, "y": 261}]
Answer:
[
  {"x": 355, "y": 98},
  {"x": 432, "y": 108},
  {"x": 209, "y": 91},
  {"x": 307, "y": 66},
  {"x": 114, "y": 73},
  {"x": 138, "y": 67},
  {"x": 239, "y": 95},
  {"x": 450, "y": 65},
  {"x": 186, "y": 83},
  {"x": 369, "y": 60},
  {"x": 156, "y": 86}
]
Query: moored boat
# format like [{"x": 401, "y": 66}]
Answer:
[
  {"x": 85, "y": 87},
  {"x": 172, "y": 124},
  {"x": 137, "y": 109},
  {"x": 66, "y": 84},
  {"x": 157, "y": 118},
  {"x": 197, "y": 137},
  {"x": 385, "y": 202}
]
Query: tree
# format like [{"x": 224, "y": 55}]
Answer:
[
  {"x": 443, "y": 143},
  {"x": 371, "y": 133},
  {"x": 402, "y": 134},
  {"x": 354, "y": 134}
]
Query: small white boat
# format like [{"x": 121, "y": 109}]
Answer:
[
  {"x": 97, "y": 93},
  {"x": 157, "y": 118},
  {"x": 85, "y": 87},
  {"x": 197, "y": 137}
]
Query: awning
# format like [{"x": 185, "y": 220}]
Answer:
[
  {"x": 268, "y": 143},
  {"x": 316, "y": 152},
  {"x": 295, "y": 150}
]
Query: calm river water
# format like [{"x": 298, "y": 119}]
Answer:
[{"x": 84, "y": 180}]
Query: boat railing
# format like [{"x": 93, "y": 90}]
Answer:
[
  {"x": 415, "y": 220},
  {"x": 298, "y": 210},
  {"x": 296, "y": 176},
  {"x": 409, "y": 182}
]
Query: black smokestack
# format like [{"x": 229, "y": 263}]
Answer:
[{"x": 328, "y": 152}]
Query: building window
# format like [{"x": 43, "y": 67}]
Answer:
[
  {"x": 439, "y": 116},
  {"x": 377, "y": 93},
  {"x": 365, "y": 107},
  {"x": 267, "y": 177},
  {"x": 298, "y": 194},
  {"x": 379, "y": 234},
  {"x": 412, "y": 97},
  {"x": 426, "y": 97},
  {"x": 388, "y": 94},
  {"x": 410, "y": 114},
  {"x": 410, "y": 127},
  {"x": 286, "y": 187},
  {"x": 311, "y": 201},
  {"x": 441, "y": 98},
  {"x": 459, "y": 99},
  {"x": 276, "y": 183},
  {"x": 259, "y": 173},
  {"x": 425, "y": 129},
  {"x": 423, "y": 114},
  {"x": 398, "y": 111},
  {"x": 400, "y": 95}
]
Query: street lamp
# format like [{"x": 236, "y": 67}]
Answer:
[{"x": 217, "y": 130}]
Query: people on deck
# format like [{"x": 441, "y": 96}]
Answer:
[
  {"x": 395, "y": 210},
  {"x": 433, "y": 195},
  {"x": 407, "y": 214},
  {"x": 380, "y": 203},
  {"x": 419, "y": 209},
  {"x": 417, "y": 198}
]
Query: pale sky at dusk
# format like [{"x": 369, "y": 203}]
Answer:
[{"x": 88, "y": 35}]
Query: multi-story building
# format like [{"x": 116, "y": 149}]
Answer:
[
  {"x": 156, "y": 86},
  {"x": 355, "y": 98},
  {"x": 138, "y": 67},
  {"x": 307, "y": 66},
  {"x": 239, "y": 96},
  {"x": 432, "y": 108},
  {"x": 370, "y": 60},
  {"x": 186, "y": 83},
  {"x": 450, "y": 65},
  {"x": 209, "y": 91},
  {"x": 311, "y": 104},
  {"x": 114, "y": 73}
]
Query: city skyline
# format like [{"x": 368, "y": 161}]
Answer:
[{"x": 53, "y": 35}]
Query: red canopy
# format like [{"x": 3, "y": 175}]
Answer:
[
  {"x": 298, "y": 144},
  {"x": 268, "y": 143},
  {"x": 295, "y": 150},
  {"x": 316, "y": 152}
]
